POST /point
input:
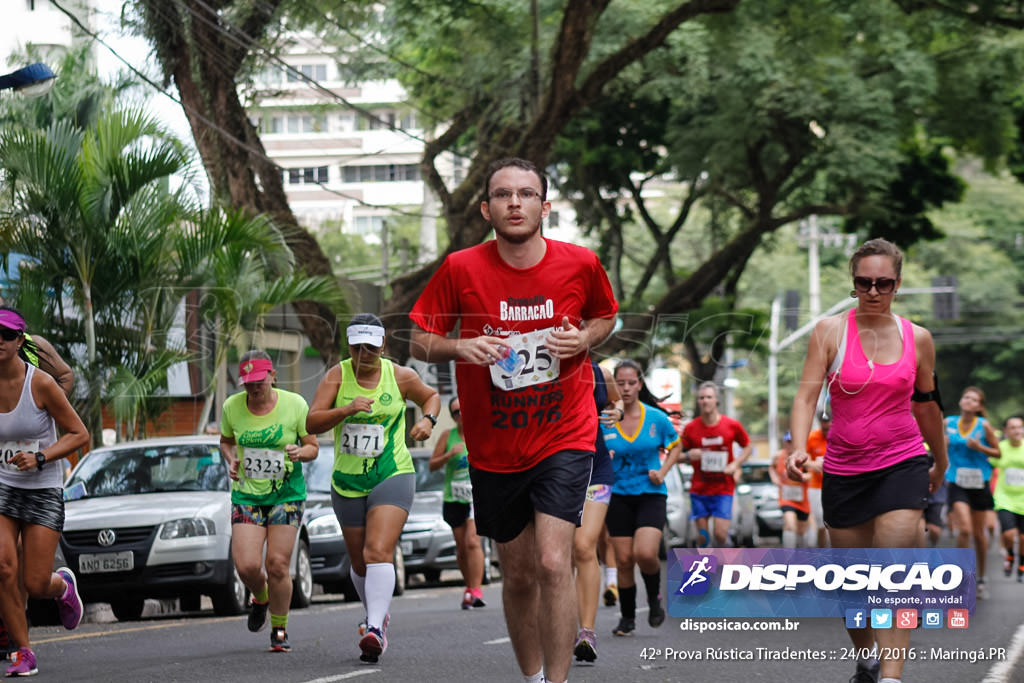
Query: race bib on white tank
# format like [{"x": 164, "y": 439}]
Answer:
[
  {"x": 362, "y": 440},
  {"x": 8, "y": 449}
]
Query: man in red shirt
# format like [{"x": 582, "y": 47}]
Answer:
[
  {"x": 528, "y": 310},
  {"x": 707, "y": 441}
]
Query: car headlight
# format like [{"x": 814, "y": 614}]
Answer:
[
  {"x": 188, "y": 528},
  {"x": 743, "y": 489},
  {"x": 325, "y": 525}
]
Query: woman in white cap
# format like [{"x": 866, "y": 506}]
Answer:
[
  {"x": 32, "y": 408},
  {"x": 264, "y": 440},
  {"x": 363, "y": 400}
]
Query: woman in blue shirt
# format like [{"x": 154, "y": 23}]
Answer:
[{"x": 636, "y": 514}]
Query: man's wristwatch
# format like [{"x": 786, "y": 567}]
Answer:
[
  {"x": 432, "y": 418},
  {"x": 40, "y": 460}
]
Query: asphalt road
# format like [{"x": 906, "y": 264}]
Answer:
[{"x": 431, "y": 639}]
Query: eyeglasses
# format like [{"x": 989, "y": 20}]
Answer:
[
  {"x": 7, "y": 334},
  {"x": 456, "y": 412},
  {"x": 883, "y": 285},
  {"x": 504, "y": 194}
]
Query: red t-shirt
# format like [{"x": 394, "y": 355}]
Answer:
[
  {"x": 714, "y": 439},
  {"x": 514, "y": 420}
]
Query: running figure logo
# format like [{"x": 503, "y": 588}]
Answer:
[{"x": 696, "y": 581}]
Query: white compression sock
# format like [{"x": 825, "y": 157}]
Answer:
[
  {"x": 380, "y": 586},
  {"x": 611, "y": 575},
  {"x": 360, "y": 585}
]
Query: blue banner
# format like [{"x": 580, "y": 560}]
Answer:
[{"x": 855, "y": 583}]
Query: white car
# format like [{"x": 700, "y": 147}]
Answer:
[{"x": 152, "y": 519}]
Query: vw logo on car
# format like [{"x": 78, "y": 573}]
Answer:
[{"x": 106, "y": 538}]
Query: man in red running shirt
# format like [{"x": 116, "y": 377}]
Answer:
[
  {"x": 528, "y": 311},
  {"x": 707, "y": 441}
]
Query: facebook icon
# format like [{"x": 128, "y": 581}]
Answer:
[{"x": 856, "y": 618}]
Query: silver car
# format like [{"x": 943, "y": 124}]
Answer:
[
  {"x": 427, "y": 541},
  {"x": 152, "y": 519}
]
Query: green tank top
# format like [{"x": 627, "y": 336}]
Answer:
[
  {"x": 456, "y": 470},
  {"x": 1009, "y": 493},
  {"x": 369, "y": 447}
]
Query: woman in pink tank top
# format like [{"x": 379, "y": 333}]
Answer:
[{"x": 877, "y": 474}]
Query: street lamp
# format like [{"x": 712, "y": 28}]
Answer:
[{"x": 32, "y": 80}]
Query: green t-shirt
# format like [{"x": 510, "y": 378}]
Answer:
[
  {"x": 1009, "y": 493},
  {"x": 457, "y": 470},
  {"x": 265, "y": 437},
  {"x": 370, "y": 447}
]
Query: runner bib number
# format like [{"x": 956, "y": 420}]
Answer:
[
  {"x": 1014, "y": 476},
  {"x": 462, "y": 491},
  {"x": 527, "y": 362},
  {"x": 713, "y": 461},
  {"x": 8, "y": 449},
  {"x": 362, "y": 440},
  {"x": 969, "y": 478},
  {"x": 790, "y": 492},
  {"x": 264, "y": 463}
]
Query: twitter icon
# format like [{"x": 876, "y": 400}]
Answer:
[{"x": 881, "y": 618}]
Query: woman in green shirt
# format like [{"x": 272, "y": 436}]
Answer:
[
  {"x": 264, "y": 440},
  {"x": 363, "y": 400}
]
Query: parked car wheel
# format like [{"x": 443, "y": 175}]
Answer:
[
  {"x": 190, "y": 602},
  {"x": 128, "y": 609},
  {"x": 302, "y": 584},
  {"x": 230, "y": 599},
  {"x": 399, "y": 560}
]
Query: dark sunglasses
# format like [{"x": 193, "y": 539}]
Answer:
[
  {"x": 7, "y": 334},
  {"x": 883, "y": 285},
  {"x": 456, "y": 413}
]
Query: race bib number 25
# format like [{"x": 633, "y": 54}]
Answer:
[{"x": 527, "y": 363}]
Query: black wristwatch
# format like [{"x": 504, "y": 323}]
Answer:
[
  {"x": 40, "y": 460},
  {"x": 432, "y": 418}
]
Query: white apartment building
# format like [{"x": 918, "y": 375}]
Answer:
[{"x": 39, "y": 24}]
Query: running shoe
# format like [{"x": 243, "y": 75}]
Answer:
[
  {"x": 467, "y": 599},
  {"x": 656, "y": 615},
  {"x": 69, "y": 605},
  {"x": 279, "y": 640},
  {"x": 866, "y": 674},
  {"x": 373, "y": 645},
  {"x": 362, "y": 626},
  {"x": 585, "y": 648},
  {"x": 982, "y": 590},
  {"x": 24, "y": 663},
  {"x": 258, "y": 615},
  {"x": 478, "y": 598},
  {"x": 611, "y": 595},
  {"x": 625, "y": 627},
  {"x": 1007, "y": 564}
]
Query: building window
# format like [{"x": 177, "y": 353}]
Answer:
[
  {"x": 384, "y": 173},
  {"x": 293, "y": 123},
  {"x": 369, "y": 225},
  {"x": 314, "y": 72},
  {"x": 310, "y": 175}
]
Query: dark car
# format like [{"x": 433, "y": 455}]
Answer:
[{"x": 327, "y": 552}]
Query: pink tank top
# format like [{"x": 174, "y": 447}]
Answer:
[{"x": 872, "y": 424}]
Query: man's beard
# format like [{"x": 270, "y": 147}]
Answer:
[{"x": 516, "y": 237}]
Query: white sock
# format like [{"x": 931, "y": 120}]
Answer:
[
  {"x": 888, "y": 680},
  {"x": 535, "y": 678},
  {"x": 360, "y": 585},
  {"x": 788, "y": 539},
  {"x": 380, "y": 586},
  {"x": 611, "y": 575}
]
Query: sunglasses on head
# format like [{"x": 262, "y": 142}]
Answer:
[
  {"x": 7, "y": 334},
  {"x": 883, "y": 285}
]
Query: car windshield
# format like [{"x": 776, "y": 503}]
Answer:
[
  {"x": 756, "y": 474},
  {"x": 425, "y": 479},
  {"x": 149, "y": 469}
]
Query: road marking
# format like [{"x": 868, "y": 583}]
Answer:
[
  {"x": 342, "y": 677},
  {"x": 133, "y": 629},
  {"x": 498, "y": 641},
  {"x": 1000, "y": 673}
]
